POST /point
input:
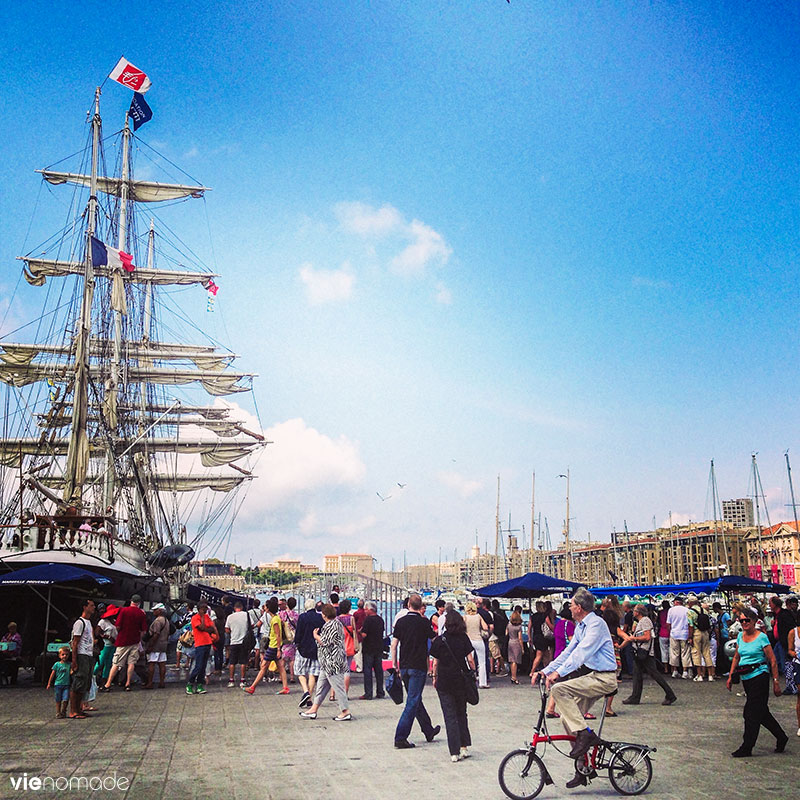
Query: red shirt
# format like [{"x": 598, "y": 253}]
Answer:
[
  {"x": 201, "y": 637},
  {"x": 131, "y": 624},
  {"x": 359, "y": 615}
]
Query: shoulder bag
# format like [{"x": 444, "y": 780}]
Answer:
[{"x": 468, "y": 674}]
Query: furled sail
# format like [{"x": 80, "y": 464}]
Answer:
[
  {"x": 214, "y": 382},
  {"x": 205, "y": 358},
  {"x": 212, "y": 453},
  {"x": 37, "y": 270},
  {"x": 168, "y": 483},
  {"x": 140, "y": 191}
]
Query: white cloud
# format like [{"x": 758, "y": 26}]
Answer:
[
  {"x": 421, "y": 245},
  {"x": 368, "y": 221},
  {"x": 325, "y": 285},
  {"x": 443, "y": 294},
  {"x": 463, "y": 486},
  {"x": 355, "y": 527},
  {"x": 427, "y": 246},
  {"x": 301, "y": 459}
]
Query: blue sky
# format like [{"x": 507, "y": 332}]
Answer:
[{"x": 460, "y": 240}]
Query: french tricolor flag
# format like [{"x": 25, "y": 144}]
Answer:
[{"x": 110, "y": 256}]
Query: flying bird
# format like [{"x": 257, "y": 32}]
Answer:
[
  {"x": 402, "y": 485},
  {"x": 384, "y": 499}
]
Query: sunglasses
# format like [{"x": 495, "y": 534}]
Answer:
[{"x": 744, "y": 619}]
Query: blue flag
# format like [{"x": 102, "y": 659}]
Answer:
[{"x": 139, "y": 111}]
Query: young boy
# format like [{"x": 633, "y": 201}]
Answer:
[{"x": 60, "y": 675}]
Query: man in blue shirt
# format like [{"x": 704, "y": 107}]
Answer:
[{"x": 590, "y": 654}]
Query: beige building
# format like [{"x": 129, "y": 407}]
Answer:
[
  {"x": 349, "y": 564},
  {"x": 289, "y": 565},
  {"x": 774, "y": 554}
]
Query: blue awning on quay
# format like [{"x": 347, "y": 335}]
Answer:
[
  {"x": 50, "y": 575},
  {"x": 729, "y": 583},
  {"x": 533, "y": 584}
]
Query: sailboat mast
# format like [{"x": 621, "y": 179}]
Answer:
[
  {"x": 78, "y": 451},
  {"x": 791, "y": 489},
  {"x": 497, "y": 533},
  {"x": 533, "y": 518},
  {"x": 717, "y": 516}
]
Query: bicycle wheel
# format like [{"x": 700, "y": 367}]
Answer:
[
  {"x": 521, "y": 775},
  {"x": 630, "y": 770}
]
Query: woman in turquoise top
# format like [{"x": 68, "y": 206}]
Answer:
[{"x": 754, "y": 660}]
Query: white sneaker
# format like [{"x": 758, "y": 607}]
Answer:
[
  {"x": 698, "y": 678},
  {"x": 710, "y": 678},
  {"x": 231, "y": 684},
  {"x": 466, "y": 754},
  {"x": 798, "y": 731},
  {"x": 242, "y": 684},
  {"x": 675, "y": 674},
  {"x": 686, "y": 676},
  {"x": 455, "y": 759}
]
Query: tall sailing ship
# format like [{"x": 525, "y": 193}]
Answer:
[{"x": 118, "y": 451}]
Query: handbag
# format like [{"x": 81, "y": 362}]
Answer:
[
  {"x": 468, "y": 674},
  {"x": 547, "y": 631},
  {"x": 394, "y": 686}
]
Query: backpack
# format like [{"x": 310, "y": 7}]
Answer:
[
  {"x": 287, "y": 631},
  {"x": 187, "y": 638},
  {"x": 350, "y": 644},
  {"x": 703, "y": 623}
]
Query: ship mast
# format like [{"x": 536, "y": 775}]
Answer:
[
  {"x": 112, "y": 385},
  {"x": 78, "y": 451}
]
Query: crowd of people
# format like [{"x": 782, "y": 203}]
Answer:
[{"x": 688, "y": 639}]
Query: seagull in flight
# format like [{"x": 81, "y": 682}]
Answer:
[
  {"x": 402, "y": 485},
  {"x": 384, "y": 499}
]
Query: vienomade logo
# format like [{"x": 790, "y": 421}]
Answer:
[{"x": 74, "y": 783}]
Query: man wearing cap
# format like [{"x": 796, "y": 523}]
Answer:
[
  {"x": 108, "y": 633},
  {"x": 680, "y": 653},
  {"x": 131, "y": 624},
  {"x": 306, "y": 665},
  {"x": 156, "y": 647}
]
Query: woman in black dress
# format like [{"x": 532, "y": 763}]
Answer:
[{"x": 448, "y": 653}]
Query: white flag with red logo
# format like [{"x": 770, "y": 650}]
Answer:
[{"x": 128, "y": 75}]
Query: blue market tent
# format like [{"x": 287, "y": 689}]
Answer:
[
  {"x": 50, "y": 574},
  {"x": 729, "y": 583},
  {"x": 533, "y": 584}
]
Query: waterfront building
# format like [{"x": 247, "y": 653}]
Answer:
[
  {"x": 773, "y": 553},
  {"x": 349, "y": 564}
]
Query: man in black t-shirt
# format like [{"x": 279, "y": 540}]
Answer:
[
  {"x": 413, "y": 632},
  {"x": 371, "y": 636}
]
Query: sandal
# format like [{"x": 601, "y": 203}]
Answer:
[
  {"x": 589, "y": 716},
  {"x": 611, "y": 714},
  {"x": 513, "y": 680},
  {"x": 553, "y": 716},
  {"x": 78, "y": 716},
  {"x": 88, "y": 708}
]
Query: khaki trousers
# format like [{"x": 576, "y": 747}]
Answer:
[
  {"x": 574, "y": 698},
  {"x": 680, "y": 654},
  {"x": 701, "y": 649}
]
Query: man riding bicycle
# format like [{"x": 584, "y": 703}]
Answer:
[{"x": 584, "y": 672}]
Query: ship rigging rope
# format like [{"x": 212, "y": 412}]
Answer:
[{"x": 161, "y": 155}]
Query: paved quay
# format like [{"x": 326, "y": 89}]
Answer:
[{"x": 226, "y": 744}]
